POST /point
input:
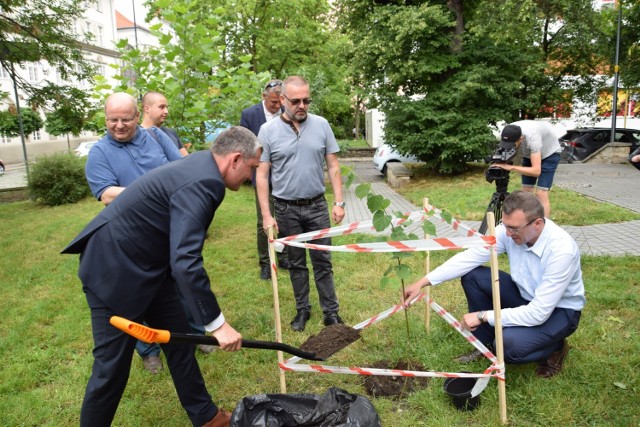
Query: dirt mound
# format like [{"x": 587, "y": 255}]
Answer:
[
  {"x": 389, "y": 386},
  {"x": 330, "y": 340}
]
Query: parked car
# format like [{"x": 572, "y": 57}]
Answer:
[
  {"x": 83, "y": 148},
  {"x": 1, "y": 167},
  {"x": 578, "y": 144},
  {"x": 385, "y": 154}
]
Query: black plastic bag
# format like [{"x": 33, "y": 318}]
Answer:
[{"x": 335, "y": 407}]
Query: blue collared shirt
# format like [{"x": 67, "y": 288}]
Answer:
[
  {"x": 548, "y": 274},
  {"x": 112, "y": 163}
]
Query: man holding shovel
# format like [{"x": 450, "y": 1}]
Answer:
[{"x": 141, "y": 254}]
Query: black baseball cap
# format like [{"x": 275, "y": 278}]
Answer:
[{"x": 510, "y": 134}]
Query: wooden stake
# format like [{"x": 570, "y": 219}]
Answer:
[
  {"x": 427, "y": 308},
  {"x": 495, "y": 288},
  {"x": 276, "y": 306}
]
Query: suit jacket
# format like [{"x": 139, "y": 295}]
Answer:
[
  {"x": 253, "y": 117},
  {"x": 154, "y": 232}
]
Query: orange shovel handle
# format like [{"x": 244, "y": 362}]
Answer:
[{"x": 141, "y": 332}]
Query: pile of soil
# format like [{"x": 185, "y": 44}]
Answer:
[
  {"x": 388, "y": 386},
  {"x": 330, "y": 340}
]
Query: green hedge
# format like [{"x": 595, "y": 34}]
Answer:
[{"x": 58, "y": 179}]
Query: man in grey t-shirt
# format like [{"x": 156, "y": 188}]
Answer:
[
  {"x": 540, "y": 150},
  {"x": 295, "y": 147}
]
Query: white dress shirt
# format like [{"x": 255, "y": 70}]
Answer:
[{"x": 548, "y": 274}]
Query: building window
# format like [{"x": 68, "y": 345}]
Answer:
[
  {"x": 99, "y": 35},
  {"x": 4, "y": 74},
  {"x": 4, "y": 139},
  {"x": 100, "y": 70},
  {"x": 34, "y": 74},
  {"x": 37, "y": 136}
]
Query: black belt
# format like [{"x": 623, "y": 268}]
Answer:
[{"x": 299, "y": 202}]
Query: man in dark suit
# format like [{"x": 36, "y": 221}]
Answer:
[
  {"x": 140, "y": 253},
  {"x": 253, "y": 118}
]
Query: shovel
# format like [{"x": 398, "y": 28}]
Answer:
[{"x": 160, "y": 336}]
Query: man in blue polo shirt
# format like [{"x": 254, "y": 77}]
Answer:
[{"x": 127, "y": 151}]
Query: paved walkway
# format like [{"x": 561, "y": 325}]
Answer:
[{"x": 615, "y": 184}]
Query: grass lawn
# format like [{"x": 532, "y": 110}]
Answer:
[{"x": 45, "y": 335}]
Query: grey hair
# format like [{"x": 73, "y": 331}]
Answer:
[
  {"x": 523, "y": 201},
  {"x": 121, "y": 97},
  {"x": 236, "y": 139},
  {"x": 273, "y": 86}
]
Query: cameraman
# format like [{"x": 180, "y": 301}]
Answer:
[{"x": 540, "y": 156}]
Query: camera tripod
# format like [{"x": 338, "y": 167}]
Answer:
[{"x": 495, "y": 205}]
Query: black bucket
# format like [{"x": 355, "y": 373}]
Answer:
[{"x": 460, "y": 391}]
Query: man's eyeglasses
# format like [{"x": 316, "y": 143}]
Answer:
[
  {"x": 125, "y": 121},
  {"x": 296, "y": 101},
  {"x": 513, "y": 230},
  {"x": 273, "y": 84}
]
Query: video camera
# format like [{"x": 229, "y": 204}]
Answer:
[{"x": 505, "y": 153}]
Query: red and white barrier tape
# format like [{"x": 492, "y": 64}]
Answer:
[
  {"x": 494, "y": 370},
  {"x": 455, "y": 224},
  {"x": 473, "y": 239}
]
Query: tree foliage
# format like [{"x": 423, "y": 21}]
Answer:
[
  {"x": 445, "y": 71},
  {"x": 204, "y": 93},
  {"x": 69, "y": 113},
  {"x": 42, "y": 30},
  {"x": 281, "y": 43},
  {"x": 629, "y": 59},
  {"x": 10, "y": 126}
]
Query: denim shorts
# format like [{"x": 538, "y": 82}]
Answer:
[{"x": 548, "y": 170}]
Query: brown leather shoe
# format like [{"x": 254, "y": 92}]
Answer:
[
  {"x": 469, "y": 357},
  {"x": 152, "y": 364},
  {"x": 553, "y": 365},
  {"x": 222, "y": 419}
]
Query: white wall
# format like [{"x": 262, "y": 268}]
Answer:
[{"x": 374, "y": 122}]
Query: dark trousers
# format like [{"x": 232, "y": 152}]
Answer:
[
  {"x": 113, "y": 353},
  {"x": 522, "y": 344},
  {"x": 145, "y": 350},
  {"x": 294, "y": 219},
  {"x": 263, "y": 239}
]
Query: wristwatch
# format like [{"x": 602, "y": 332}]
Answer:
[
  {"x": 339, "y": 204},
  {"x": 481, "y": 316}
]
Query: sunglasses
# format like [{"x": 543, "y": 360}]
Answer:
[
  {"x": 273, "y": 84},
  {"x": 296, "y": 101}
]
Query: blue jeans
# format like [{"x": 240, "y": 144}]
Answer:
[
  {"x": 153, "y": 349},
  {"x": 522, "y": 344},
  {"x": 548, "y": 168},
  {"x": 296, "y": 219}
]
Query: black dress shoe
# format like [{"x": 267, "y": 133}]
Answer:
[
  {"x": 265, "y": 272},
  {"x": 332, "y": 319},
  {"x": 298, "y": 322}
]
